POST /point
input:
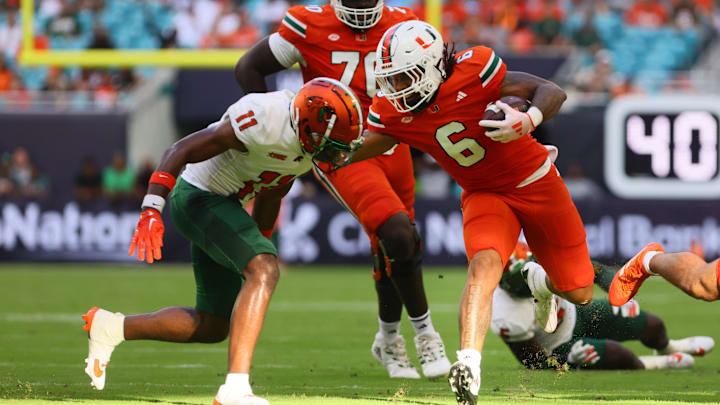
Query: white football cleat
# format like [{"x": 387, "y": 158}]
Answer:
[
  {"x": 431, "y": 353},
  {"x": 103, "y": 336},
  {"x": 226, "y": 396},
  {"x": 696, "y": 346},
  {"x": 464, "y": 381},
  {"x": 545, "y": 305},
  {"x": 679, "y": 360},
  {"x": 393, "y": 356}
]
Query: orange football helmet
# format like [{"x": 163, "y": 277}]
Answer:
[{"x": 327, "y": 118}]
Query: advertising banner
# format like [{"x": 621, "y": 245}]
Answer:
[{"x": 320, "y": 231}]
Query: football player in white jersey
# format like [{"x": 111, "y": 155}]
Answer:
[
  {"x": 258, "y": 147},
  {"x": 586, "y": 336}
]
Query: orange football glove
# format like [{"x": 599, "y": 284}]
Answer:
[{"x": 148, "y": 236}]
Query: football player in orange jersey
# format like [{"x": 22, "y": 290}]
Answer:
[
  {"x": 433, "y": 100},
  {"x": 339, "y": 40},
  {"x": 685, "y": 270}
]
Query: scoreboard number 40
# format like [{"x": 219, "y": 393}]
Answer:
[{"x": 663, "y": 147}]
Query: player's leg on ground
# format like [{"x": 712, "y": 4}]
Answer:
[
  {"x": 227, "y": 247},
  {"x": 389, "y": 346},
  {"x": 619, "y": 357},
  {"x": 386, "y": 213},
  {"x": 601, "y": 321},
  {"x": 400, "y": 246},
  {"x": 688, "y": 272},
  {"x": 261, "y": 277},
  {"x": 363, "y": 189},
  {"x": 408, "y": 277},
  {"x": 656, "y": 337},
  {"x": 484, "y": 274},
  {"x": 176, "y": 324}
]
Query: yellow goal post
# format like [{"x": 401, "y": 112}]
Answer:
[{"x": 186, "y": 58}]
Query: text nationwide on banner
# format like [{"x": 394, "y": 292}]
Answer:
[{"x": 320, "y": 231}]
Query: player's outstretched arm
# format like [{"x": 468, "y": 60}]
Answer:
[
  {"x": 531, "y": 354},
  {"x": 374, "y": 144},
  {"x": 544, "y": 94},
  {"x": 254, "y": 65},
  {"x": 199, "y": 146},
  {"x": 267, "y": 206}
]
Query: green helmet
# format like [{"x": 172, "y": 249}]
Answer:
[{"x": 513, "y": 281}]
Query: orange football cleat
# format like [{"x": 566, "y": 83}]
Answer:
[{"x": 628, "y": 280}]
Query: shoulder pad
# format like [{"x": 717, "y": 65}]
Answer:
[
  {"x": 483, "y": 60},
  {"x": 398, "y": 14}
]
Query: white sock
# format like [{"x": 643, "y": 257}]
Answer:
[
  {"x": 239, "y": 382},
  {"x": 654, "y": 362},
  {"x": 111, "y": 329},
  {"x": 388, "y": 330},
  {"x": 675, "y": 346},
  {"x": 646, "y": 262},
  {"x": 469, "y": 356},
  {"x": 422, "y": 323}
]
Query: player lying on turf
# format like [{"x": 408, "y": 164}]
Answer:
[
  {"x": 685, "y": 270},
  {"x": 587, "y": 336},
  {"x": 338, "y": 40},
  {"x": 259, "y": 146},
  {"x": 433, "y": 100}
]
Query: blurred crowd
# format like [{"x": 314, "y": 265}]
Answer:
[
  {"x": 117, "y": 183},
  {"x": 19, "y": 176},
  {"x": 617, "y": 46},
  {"x": 622, "y": 46}
]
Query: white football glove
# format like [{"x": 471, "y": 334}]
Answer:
[
  {"x": 515, "y": 125},
  {"x": 630, "y": 309},
  {"x": 583, "y": 354}
]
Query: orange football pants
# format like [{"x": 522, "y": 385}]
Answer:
[
  {"x": 375, "y": 189},
  {"x": 546, "y": 214}
]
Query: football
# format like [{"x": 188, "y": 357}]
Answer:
[{"x": 493, "y": 112}]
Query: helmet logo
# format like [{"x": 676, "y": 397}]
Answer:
[
  {"x": 333, "y": 37},
  {"x": 422, "y": 43}
]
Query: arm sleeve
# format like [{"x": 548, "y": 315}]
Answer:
[{"x": 284, "y": 51}]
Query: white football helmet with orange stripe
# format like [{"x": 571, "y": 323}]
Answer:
[{"x": 409, "y": 64}]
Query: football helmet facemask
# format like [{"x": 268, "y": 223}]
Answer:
[
  {"x": 327, "y": 118},
  {"x": 409, "y": 65},
  {"x": 355, "y": 16}
]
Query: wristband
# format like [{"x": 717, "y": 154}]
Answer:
[
  {"x": 266, "y": 233},
  {"x": 153, "y": 201},
  {"x": 163, "y": 178},
  {"x": 717, "y": 272},
  {"x": 536, "y": 116}
]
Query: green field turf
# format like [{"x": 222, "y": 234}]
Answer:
[{"x": 314, "y": 349}]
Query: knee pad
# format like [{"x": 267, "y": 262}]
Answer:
[{"x": 395, "y": 255}]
